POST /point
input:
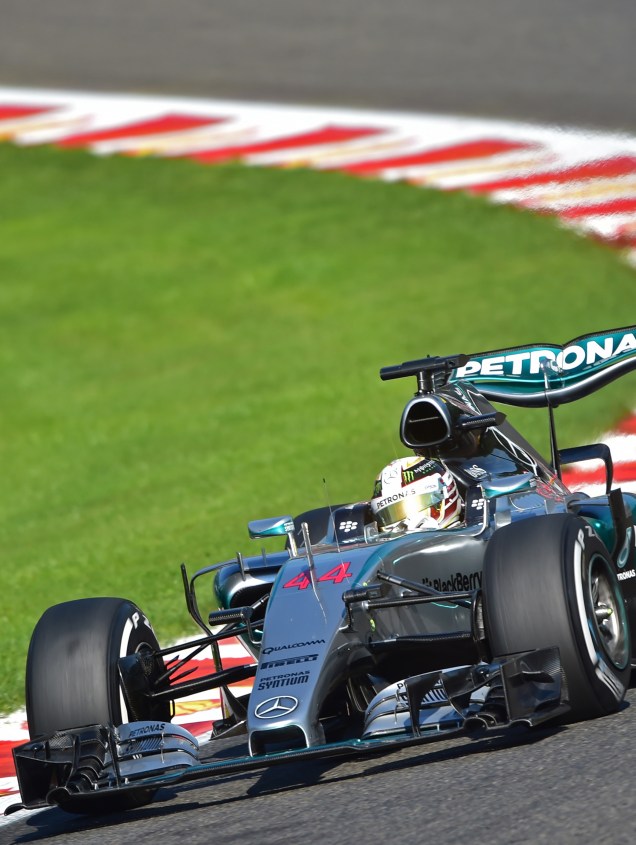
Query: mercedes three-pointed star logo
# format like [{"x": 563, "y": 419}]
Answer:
[{"x": 276, "y": 708}]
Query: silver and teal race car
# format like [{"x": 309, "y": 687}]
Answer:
[{"x": 363, "y": 639}]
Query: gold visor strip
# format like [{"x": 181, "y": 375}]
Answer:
[{"x": 405, "y": 508}]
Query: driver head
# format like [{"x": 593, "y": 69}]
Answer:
[{"x": 415, "y": 493}]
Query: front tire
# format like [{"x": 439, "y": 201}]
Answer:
[
  {"x": 72, "y": 677},
  {"x": 549, "y": 581}
]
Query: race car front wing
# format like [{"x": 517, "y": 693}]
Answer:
[{"x": 90, "y": 761}]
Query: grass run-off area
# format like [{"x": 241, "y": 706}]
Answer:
[{"x": 184, "y": 348}]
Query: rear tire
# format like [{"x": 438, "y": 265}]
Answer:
[
  {"x": 72, "y": 677},
  {"x": 549, "y": 581}
]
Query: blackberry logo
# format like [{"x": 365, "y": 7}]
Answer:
[{"x": 347, "y": 526}]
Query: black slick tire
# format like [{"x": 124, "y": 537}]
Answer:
[
  {"x": 72, "y": 676},
  {"x": 549, "y": 581}
]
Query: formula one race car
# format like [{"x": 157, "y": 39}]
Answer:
[{"x": 509, "y": 602}]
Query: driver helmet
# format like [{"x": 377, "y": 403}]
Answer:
[{"x": 413, "y": 493}]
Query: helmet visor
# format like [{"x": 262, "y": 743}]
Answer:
[{"x": 403, "y": 509}]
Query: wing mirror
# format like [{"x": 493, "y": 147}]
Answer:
[{"x": 276, "y": 526}]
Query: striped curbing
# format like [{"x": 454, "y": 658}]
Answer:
[{"x": 585, "y": 179}]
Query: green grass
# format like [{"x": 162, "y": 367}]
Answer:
[{"x": 184, "y": 348}]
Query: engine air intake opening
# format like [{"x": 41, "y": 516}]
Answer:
[{"x": 425, "y": 422}]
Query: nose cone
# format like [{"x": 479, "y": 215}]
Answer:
[{"x": 305, "y": 650}]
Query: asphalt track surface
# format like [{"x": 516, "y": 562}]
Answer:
[
  {"x": 558, "y": 61},
  {"x": 558, "y": 785},
  {"x": 564, "y": 62}
]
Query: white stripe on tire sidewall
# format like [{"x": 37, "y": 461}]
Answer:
[
  {"x": 123, "y": 651},
  {"x": 601, "y": 670}
]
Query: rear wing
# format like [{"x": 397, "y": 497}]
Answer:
[{"x": 546, "y": 374}]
